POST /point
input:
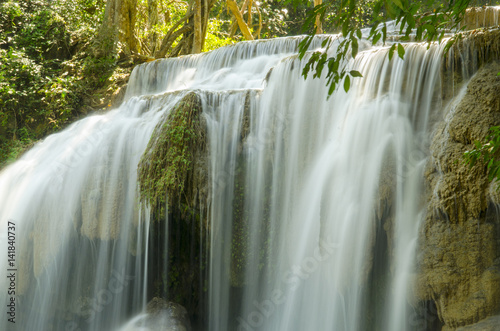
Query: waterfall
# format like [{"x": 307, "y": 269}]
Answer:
[
  {"x": 319, "y": 177},
  {"x": 313, "y": 208}
]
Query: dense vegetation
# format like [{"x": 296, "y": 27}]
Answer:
[
  {"x": 425, "y": 20},
  {"x": 60, "y": 59},
  {"x": 45, "y": 68}
]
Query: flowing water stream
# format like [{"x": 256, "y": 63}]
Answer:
[{"x": 314, "y": 205}]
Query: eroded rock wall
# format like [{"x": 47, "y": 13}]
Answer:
[{"x": 459, "y": 258}]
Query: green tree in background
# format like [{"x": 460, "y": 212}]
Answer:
[
  {"x": 37, "y": 93},
  {"x": 60, "y": 59}
]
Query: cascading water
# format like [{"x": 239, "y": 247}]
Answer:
[
  {"x": 319, "y": 177},
  {"x": 78, "y": 235},
  {"x": 313, "y": 208},
  {"x": 70, "y": 210}
]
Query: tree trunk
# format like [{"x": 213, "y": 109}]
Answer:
[
  {"x": 207, "y": 6},
  {"x": 152, "y": 22},
  {"x": 249, "y": 22},
  {"x": 192, "y": 27},
  {"x": 318, "y": 25},
  {"x": 198, "y": 28},
  {"x": 257, "y": 32},
  {"x": 119, "y": 22}
]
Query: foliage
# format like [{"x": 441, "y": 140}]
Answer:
[
  {"x": 152, "y": 27},
  {"x": 429, "y": 21},
  {"x": 215, "y": 37},
  {"x": 42, "y": 82},
  {"x": 278, "y": 18},
  {"x": 12, "y": 149},
  {"x": 82, "y": 17},
  {"x": 488, "y": 152},
  {"x": 274, "y": 17}
]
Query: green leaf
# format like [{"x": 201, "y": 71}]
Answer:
[
  {"x": 358, "y": 33},
  {"x": 419, "y": 33},
  {"x": 355, "y": 73},
  {"x": 332, "y": 88},
  {"x": 391, "y": 51},
  {"x": 347, "y": 83},
  {"x": 376, "y": 38},
  {"x": 345, "y": 28},
  {"x": 354, "y": 47},
  {"x": 398, "y": 3},
  {"x": 401, "y": 51},
  {"x": 431, "y": 30}
]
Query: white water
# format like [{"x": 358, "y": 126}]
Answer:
[
  {"x": 313, "y": 170},
  {"x": 311, "y": 210}
]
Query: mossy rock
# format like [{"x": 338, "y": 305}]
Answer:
[{"x": 167, "y": 167}]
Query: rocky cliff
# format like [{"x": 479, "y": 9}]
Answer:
[{"x": 459, "y": 257}]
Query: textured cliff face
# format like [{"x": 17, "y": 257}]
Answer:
[
  {"x": 460, "y": 248},
  {"x": 479, "y": 17},
  {"x": 488, "y": 324}
]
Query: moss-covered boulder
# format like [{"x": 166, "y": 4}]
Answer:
[
  {"x": 174, "y": 181},
  {"x": 174, "y": 165}
]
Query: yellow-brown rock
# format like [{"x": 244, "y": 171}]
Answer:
[{"x": 460, "y": 256}]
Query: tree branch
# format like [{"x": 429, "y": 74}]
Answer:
[
  {"x": 233, "y": 6},
  {"x": 166, "y": 42}
]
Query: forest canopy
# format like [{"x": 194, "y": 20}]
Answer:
[{"x": 60, "y": 59}]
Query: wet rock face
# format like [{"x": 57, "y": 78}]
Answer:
[
  {"x": 175, "y": 164},
  {"x": 167, "y": 316},
  {"x": 478, "y": 17},
  {"x": 161, "y": 315},
  {"x": 488, "y": 324},
  {"x": 460, "y": 252},
  {"x": 467, "y": 55}
]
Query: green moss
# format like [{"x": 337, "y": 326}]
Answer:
[{"x": 168, "y": 160}]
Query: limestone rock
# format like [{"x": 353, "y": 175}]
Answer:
[
  {"x": 175, "y": 160},
  {"x": 460, "y": 258},
  {"x": 173, "y": 316},
  {"x": 160, "y": 315},
  {"x": 488, "y": 324},
  {"x": 478, "y": 17}
]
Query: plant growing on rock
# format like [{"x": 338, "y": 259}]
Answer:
[
  {"x": 165, "y": 165},
  {"x": 488, "y": 152}
]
